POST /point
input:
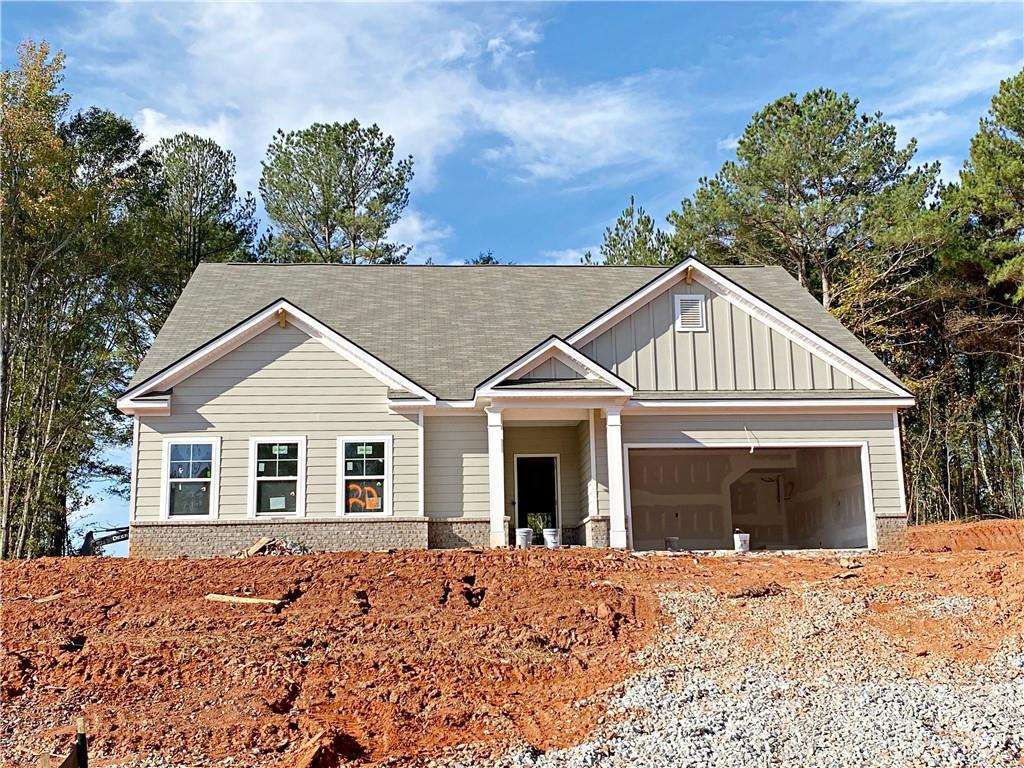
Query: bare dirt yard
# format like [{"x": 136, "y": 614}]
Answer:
[{"x": 506, "y": 658}]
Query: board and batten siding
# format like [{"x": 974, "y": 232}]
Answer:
[
  {"x": 282, "y": 382},
  {"x": 552, "y": 368},
  {"x": 746, "y": 429},
  {"x": 737, "y": 352},
  {"x": 455, "y": 478}
]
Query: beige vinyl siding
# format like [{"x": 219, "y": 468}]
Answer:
[
  {"x": 736, "y": 353},
  {"x": 282, "y": 382},
  {"x": 455, "y": 475},
  {"x": 724, "y": 430},
  {"x": 546, "y": 440}
]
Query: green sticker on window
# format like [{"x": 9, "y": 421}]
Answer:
[{"x": 363, "y": 450}]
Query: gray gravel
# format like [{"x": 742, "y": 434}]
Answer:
[{"x": 811, "y": 700}]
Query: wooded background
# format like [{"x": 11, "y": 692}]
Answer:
[{"x": 100, "y": 236}]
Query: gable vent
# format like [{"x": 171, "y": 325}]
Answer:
[{"x": 690, "y": 313}]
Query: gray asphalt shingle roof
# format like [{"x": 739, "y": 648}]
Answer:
[{"x": 446, "y": 328}]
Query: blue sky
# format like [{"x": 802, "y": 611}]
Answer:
[{"x": 530, "y": 124}]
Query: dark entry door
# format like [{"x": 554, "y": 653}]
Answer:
[{"x": 536, "y": 493}]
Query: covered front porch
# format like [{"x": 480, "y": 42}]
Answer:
[{"x": 552, "y": 466}]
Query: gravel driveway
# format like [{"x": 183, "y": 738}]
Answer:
[{"x": 807, "y": 696}]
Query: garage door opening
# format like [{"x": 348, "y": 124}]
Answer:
[{"x": 785, "y": 498}]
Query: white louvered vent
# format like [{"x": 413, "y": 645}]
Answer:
[{"x": 690, "y": 313}]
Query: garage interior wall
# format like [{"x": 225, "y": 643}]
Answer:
[{"x": 785, "y": 498}]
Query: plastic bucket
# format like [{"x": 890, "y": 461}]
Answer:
[
  {"x": 672, "y": 543},
  {"x": 552, "y": 538},
  {"x": 524, "y": 537},
  {"x": 741, "y": 541}
]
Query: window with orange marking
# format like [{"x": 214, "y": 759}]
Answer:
[{"x": 364, "y": 469}]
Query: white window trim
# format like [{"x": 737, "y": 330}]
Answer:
[
  {"x": 165, "y": 476},
  {"x": 700, "y": 300},
  {"x": 389, "y": 473},
  {"x": 300, "y": 484}
]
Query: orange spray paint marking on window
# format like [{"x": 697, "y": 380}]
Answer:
[{"x": 365, "y": 496}]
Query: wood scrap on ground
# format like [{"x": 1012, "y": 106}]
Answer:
[
  {"x": 277, "y": 603},
  {"x": 770, "y": 589}
]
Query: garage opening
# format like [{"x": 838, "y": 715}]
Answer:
[{"x": 785, "y": 498}]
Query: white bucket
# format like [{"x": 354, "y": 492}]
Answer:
[
  {"x": 741, "y": 542},
  {"x": 672, "y": 543},
  {"x": 524, "y": 537},
  {"x": 552, "y": 538}
]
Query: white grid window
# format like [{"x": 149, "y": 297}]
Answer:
[
  {"x": 364, "y": 475},
  {"x": 190, "y": 478},
  {"x": 277, "y": 474}
]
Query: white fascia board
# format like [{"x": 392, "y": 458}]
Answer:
[
  {"x": 252, "y": 327},
  {"x": 748, "y": 302},
  {"x": 553, "y": 347},
  {"x": 149, "y": 406},
  {"x": 877, "y": 404}
]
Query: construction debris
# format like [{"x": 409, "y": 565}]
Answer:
[{"x": 268, "y": 546}]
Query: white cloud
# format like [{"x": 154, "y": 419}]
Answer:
[
  {"x": 932, "y": 128},
  {"x": 426, "y": 235},
  {"x": 156, "y": 125},
  {"x": 729, "y": 144},
  {"x": 954, "y": 82},
  {"x": 433, "y": 76},
  {"x": 568, "y": 256}
]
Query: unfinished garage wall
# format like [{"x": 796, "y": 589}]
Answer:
[
  {"x": 784, "y": 498},
  {"x": 743, "y": 430},
  {"x": 824, "y": 499}
]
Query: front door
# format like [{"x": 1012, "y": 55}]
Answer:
[{"x": 537, "y": 493}]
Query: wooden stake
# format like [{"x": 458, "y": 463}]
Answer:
[
  {"x": 282, "y": 317},
  {"x": 689, "y": 275},
  {"x": 81, "y": 745}
]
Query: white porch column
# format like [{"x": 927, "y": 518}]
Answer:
[
  {"x": 496, "y": 476},
  {"x": 616, "y": 486}
]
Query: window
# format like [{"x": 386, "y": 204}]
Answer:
[
  {"x": 690, "y": 312},
  {"x": 364, "y": 475},
  {"x": 277, "y": 471},
  {"x": 190, "y": 478}
]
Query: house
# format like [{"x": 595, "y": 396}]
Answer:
[{"x": 368, "y": 407}]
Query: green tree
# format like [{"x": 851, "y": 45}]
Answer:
[
  {"x": 634, "y": 239},
  {"x": 989, "y": 202},
  {"x": 334, "y": 191},
  {"x": 816, "y": 188},
  {"x": 200, "y": 215},
  {"x": 73, "y": 298},
  {"x": 486, "y": 258}
]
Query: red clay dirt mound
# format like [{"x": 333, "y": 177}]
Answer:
[
  {"x": 370, "y": 655},
  {"x": 994, "y": 535},
  {"x": 397, "y": 658}
]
